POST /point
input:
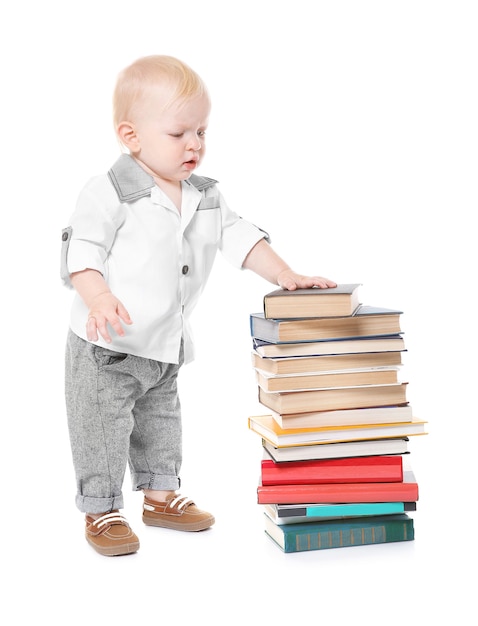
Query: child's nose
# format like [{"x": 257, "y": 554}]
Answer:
[{"x": 195, "y": 144}]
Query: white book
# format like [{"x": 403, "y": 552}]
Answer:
[{"x": 345, "y": 417}]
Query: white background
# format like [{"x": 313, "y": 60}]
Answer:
[{"x": 349, "y": 132}]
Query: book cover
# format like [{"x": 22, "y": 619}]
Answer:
[
  {"x": 325, "y": 363},
  {"x": 266, "y": 427},
  {"x": 308, "y": 493},
  {"x": 366, "y": 469},
  {"x": 369, "y": 447},
  {"x": 357, "y": 397},
  {"x": 326, "y": 380},
  {"x": 344, "y": 417},
  {"x": 367, "y": 321},
  {"x": 314, "y": 302},
  {"x": 332, "y": 347},
  {"x": 340, "y": 533},
  {"x": 302, "y": 513}
]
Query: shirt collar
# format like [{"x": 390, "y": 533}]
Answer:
[
  {"x": 131, "y": 182},
  {"x": 129, "y": 179}
]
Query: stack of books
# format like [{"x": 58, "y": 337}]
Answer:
[{"x": 335, "y": 470}]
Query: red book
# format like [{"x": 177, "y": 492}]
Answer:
[
  {"x": 365, "y": 469},
  {"x": 307, "y": 493}
]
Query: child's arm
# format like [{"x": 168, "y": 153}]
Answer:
[
  {"x": 263, "y": 260},
  {"x": 104, "y": 307}
]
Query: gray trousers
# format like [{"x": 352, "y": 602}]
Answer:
[{"x": 122, "y": 409}]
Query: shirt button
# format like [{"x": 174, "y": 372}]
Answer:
[
  {"x": 185, "y": 269},
  {"x": 64, "y": 236}
]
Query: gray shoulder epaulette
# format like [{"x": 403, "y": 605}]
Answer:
[{"x": 201, "y": 182}]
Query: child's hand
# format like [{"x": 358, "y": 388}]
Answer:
[
  {"x": 106, "y": 309},
  {"x": 265, "y": 262},
  {"x": 290, "y": 280}
]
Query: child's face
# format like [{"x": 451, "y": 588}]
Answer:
[{"x": 171, "y": 141}]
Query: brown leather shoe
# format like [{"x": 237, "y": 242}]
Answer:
[
  {"x": 177, "y": 513},
  {"x": 111, "y": 535}
]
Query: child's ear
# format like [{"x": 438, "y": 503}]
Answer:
[{"x": 128, "y": 136}]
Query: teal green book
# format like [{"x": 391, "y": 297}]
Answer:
[
  {"x": 360, "y": 531},
  {"x": 301, "y": 513}
]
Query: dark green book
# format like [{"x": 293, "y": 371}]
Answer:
[{"x": 340, "y": 533}]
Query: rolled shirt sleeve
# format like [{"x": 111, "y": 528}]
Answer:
[{"x": 89, "y": 237}]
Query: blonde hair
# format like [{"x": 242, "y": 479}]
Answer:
[{"x": 136, "y": 80}]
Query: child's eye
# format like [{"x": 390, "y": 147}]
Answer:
[
  {"x": 201, "y": 133},
  {"x": 176, "y": 134}
]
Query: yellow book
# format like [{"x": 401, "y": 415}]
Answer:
[{"x": 266, "y": 427}]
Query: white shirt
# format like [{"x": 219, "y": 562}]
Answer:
[{"x": 154, "y": 259}]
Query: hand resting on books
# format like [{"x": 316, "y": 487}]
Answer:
[
  {"x": 265, "y": 262},
  {"x": 290, "y": 280}
]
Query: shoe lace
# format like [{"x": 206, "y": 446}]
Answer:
[
  {"x": 109, "y": 518},
  {"x": 184, "y": 502}
]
